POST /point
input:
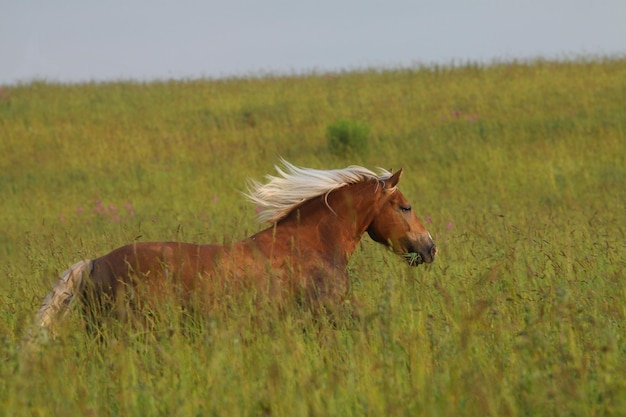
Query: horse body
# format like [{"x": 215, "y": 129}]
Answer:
[{"x": 305, "y": 250}]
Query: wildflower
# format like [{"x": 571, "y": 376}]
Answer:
[
  {"x": 114, "y": 213},
  {"x": 99, "y": 207},
  {"x": 129, "y": 208}
]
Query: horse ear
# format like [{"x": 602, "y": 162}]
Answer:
[{"x": 393, "y": 180}]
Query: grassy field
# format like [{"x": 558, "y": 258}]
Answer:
[{"x": 517, "y": 169}]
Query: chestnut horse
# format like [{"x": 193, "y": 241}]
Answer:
[{"x": 317, "y": 218}]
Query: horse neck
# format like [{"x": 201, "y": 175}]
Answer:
[{"x": 334, "y": 224}]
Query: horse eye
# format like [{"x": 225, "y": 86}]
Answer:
[{"x": 405, "y": 208}]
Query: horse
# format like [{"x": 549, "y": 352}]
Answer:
[{"x": 316, "y": 220}]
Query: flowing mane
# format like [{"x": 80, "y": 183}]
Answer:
[{"x": 283, "y": 193}]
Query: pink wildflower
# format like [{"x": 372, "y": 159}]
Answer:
[
  {"x": 99, "y": 207},
  {"x": 129, "y": 208}
]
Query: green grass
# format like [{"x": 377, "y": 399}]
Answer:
[{"x": 518, "y": 170}]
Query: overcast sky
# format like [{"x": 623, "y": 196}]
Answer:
[{"x": 85, "y": 40}]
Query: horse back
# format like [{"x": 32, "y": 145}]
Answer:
[{"x": 153, "y": 263}]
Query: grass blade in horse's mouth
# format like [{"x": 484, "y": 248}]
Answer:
[{"x": 413, "y": 258}]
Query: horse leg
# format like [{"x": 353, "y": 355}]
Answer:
[{"x": 328, "y": 294}]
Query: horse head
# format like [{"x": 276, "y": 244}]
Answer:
[{"x": 396, "y": 225}]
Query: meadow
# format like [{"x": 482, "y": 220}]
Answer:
[{"x": 518, "y": 169}]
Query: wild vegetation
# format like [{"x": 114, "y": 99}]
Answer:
[{"x": 517, "y": 169}]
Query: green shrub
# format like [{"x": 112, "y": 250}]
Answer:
[{"x": 348, "y": 137}]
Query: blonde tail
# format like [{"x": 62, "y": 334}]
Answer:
[{"x": 63, "y": 294}]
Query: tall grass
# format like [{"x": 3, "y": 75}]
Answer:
[{"x": 518, "y": 170}]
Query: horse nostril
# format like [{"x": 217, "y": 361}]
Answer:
[{"x": 433, "y": 250}]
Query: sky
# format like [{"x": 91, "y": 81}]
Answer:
[{"x": 73, "y": 41}]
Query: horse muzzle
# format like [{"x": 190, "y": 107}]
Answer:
[{"x": 422, "y": 252}]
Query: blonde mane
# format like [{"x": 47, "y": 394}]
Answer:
[{"x": 295, "y": 185}]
